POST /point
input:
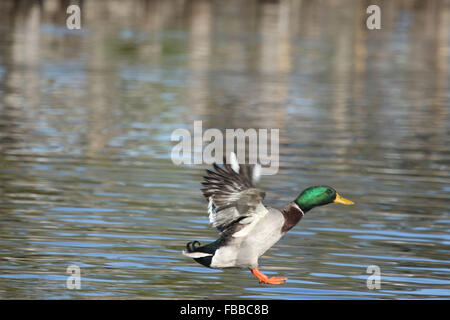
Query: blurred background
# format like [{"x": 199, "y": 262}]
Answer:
[{"x": 86, "y": 118}]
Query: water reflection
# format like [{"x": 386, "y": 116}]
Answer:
[{"x": 86, "y": 117}]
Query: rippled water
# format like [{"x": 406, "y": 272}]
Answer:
[{"x": 86, "y": 118}]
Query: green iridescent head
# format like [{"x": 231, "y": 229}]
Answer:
[{"x": 319, "y": 196}]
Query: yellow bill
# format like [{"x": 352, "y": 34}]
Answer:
[{"x": 341, "y": 200}]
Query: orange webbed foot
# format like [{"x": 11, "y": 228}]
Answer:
[
  {"x": 265, "y": 279},
  {"x": 273, "y": 280}
]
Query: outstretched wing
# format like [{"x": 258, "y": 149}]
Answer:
[{"x": 232, "y": 196}]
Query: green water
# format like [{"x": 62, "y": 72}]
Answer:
[{"x": 86, "y": 118}]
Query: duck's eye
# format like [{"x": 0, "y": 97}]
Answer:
[{"x": 329, "y": 191}]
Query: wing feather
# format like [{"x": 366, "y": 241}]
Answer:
[{"x": 232, "y": 196}]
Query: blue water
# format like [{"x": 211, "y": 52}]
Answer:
[{"x": 86, "y": 117}]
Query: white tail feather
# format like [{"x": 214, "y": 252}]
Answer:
[{"x": 196, "y": 254}]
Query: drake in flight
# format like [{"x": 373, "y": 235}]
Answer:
[{"x": 247, "y": 227}]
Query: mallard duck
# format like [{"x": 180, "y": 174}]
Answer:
[{"x": 247, "y": 227}]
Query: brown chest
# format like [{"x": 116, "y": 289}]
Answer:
[{"x": 292, "y": 215}]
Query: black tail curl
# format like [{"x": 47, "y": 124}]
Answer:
[{"x": 192, "y": 246}]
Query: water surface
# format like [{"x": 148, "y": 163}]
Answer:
[{"x": 86, "y": 118}]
